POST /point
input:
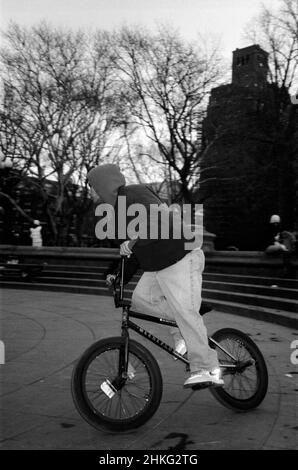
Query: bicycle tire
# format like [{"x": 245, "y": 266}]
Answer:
[
  {"x": 223, "y": 394},
  {"x": 149, "y": 370}
]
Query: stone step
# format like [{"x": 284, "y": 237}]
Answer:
[
  {"x": 91, "y": 282},
  {"x": 98, "y": 279},
  {"x": 79, "y": 289},
  {"x": 259, "y": 280},
  {"x": 98, "y": 273},
  {"x": 270, "y": 291},
  {"x": 284, "y": 318},
  {"x": 241, "y": 279},
  {"x": 103, "y": 266},
  {"x": 244, "y": 263},
  {"x": 256, "y": 300},
  {"x": 216, "y": 293},
  {"x": 283, "y": 299},
  {"x": 270, "y": 315},
  {"x": 68, "y": 268},
  {"x": 73, "y": 271}
]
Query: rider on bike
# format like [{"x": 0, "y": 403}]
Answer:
[{"x": 172, "y": 280}]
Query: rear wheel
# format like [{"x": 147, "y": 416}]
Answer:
[
  {"x": 246, "y": 384},
  {"x": 107, "y": 399}
]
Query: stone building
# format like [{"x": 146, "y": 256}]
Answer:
[{"x": 246, "y": 174}]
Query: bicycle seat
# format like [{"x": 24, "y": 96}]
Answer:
[{"x": 205, "y": 308}]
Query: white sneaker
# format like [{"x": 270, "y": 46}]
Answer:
[
  {"x": 180, "y": 348},
  {"x": 216, "y": 377},
  {"x": 204, "y": 378}
]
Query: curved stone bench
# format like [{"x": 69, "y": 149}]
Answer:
[{"x": 81, "y": 270}]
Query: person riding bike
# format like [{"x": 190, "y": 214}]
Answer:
[{"x": 172, "y": 280}]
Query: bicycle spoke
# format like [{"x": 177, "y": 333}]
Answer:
[
  {"x": 132, "y": 395},
  {"x": 239, "y": 385},
  {"x": 123, "y": 406},
  {"x": 109, "y": 405},
  {"x": 138, "y": 402}
]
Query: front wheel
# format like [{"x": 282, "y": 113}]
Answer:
[
  {"x": 243, "y": 368},
  {"x": 106, "y": 397}
]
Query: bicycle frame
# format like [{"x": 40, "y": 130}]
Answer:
[{"x": 127, "y": 323}]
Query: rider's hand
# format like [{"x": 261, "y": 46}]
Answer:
[
  {"x": 110, "y": 279},
  {"x": 125, "y": 249}
]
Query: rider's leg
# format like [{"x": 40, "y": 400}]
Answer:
[
  {"x": 148, "y": 298},
  {"x": 181, "y": 284}
]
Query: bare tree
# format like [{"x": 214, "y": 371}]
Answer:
[
  {"x": 58, "y": 111},
  {"x": 277, "y": 32},
  {"x": 167, "y": 82}
]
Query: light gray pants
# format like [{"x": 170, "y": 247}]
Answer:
[{"x": 175, "y": 293}]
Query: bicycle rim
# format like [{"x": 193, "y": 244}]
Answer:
[
  {"x": 103, "y": 397},
  {"x": 240, "y": 385},
  {"x": 245, "y": 388}
]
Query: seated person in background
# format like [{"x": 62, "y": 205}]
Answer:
[
  {"x": 282, "y": 242},
  {"x": 276, "y": 240}
]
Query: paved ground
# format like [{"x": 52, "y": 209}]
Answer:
[{"x": 44, "y": 334}]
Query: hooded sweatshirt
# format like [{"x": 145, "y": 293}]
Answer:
[
  {"x": 106, "y": 181},
  {"x": 151, "y": 254}
]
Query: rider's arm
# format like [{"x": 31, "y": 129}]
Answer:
[{"x": 130, "y": 268}]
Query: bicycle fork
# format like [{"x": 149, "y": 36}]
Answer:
[
  {"x": 123, "y": 364},
  {"x": 123, "y": 359}
]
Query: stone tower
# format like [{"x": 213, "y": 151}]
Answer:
[
  {"x": 250, "y": 67},
  {"x": 239, "y": 182}
]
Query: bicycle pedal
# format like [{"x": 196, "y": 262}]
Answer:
[
  {"x": 217, "y": 385},
  {"x": 201, "y": 386}
]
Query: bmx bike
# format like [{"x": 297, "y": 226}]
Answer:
[{"x": 117, "y": 383}]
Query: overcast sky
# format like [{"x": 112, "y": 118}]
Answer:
[{"x": 223, "y": 18}]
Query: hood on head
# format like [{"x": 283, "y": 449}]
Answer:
[
  {"x": 106, "y": 181},
  {"x": 275, "y": 219}
]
